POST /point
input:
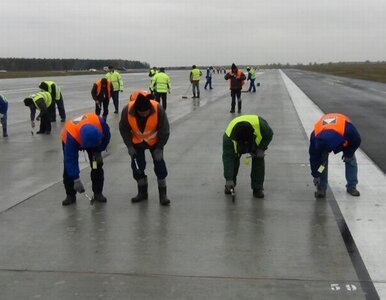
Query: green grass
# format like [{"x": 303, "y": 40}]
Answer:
[
  {"x": 23, "y": 74},
  {"x": 365, "y": 71}
]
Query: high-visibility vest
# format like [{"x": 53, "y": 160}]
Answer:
[
  {"x": 73, "y": 126},
  {"x": 57, "y": 89},
  {"x": 252, "y": 73},
  {"x": 99, "y": 87},
  {"x": 251, "y": 119},
  {"x": 333, "y": 121},
  {"x": 46, "y": 97},
  {"x": 115, "y": 79},
  {"x": 150, "y": 133},
  {"x": 196, "y": 74},
  {"x": 161, "y": 82}
]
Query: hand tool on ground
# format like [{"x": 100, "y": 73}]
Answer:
[
  {"x": 184, "y": 96},
  {"x": 233, "y": 194}
]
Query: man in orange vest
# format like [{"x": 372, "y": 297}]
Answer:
[
  {"x": 237, "y": 79},
  {"x": 334, "y": 132},
  {"x": 90, "y": 133},
  {"x": 144, "y": 125},
  {"x": 102, "y": 92}
]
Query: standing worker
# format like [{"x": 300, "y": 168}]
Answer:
[
  {"x": 236, "y": 84},
  {"x": 101, "y": 92},
  {"x": 251, "y": 78},
  {"x": 144, "y": 125},
  {"x": 209, "y": 75},
  {"x": 334, "y": 132},
  {"x": 90, "y": 133},
  {"x": 246, "y": 134},
  {"x": 161, "y": 86},
  {"x": 152, "y": 72},
  {"x": 43, "y": 102},
  {"x": 115, "y": 78},
  {"x": 195, "y": 76},
  {"x": 57, "y": 99},
  {"x": 3, "y": 114}
]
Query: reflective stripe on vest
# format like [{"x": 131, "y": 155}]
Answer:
[
  {"x": 46, "y": 97},
  {"x": 73, "y": 126},
  {"x": 251, "y": 119},
  {"x": 150, "y": 133},
  {"x": 99, "y": 87},
  {"x": 196, "y": 74},
  {"x": 333, "y": 121}
]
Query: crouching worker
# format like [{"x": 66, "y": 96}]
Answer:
[
  {"x": 43, "y": 102},
  {"x": 246, "y": 134},
  {"x": 90, "y": 133},
  {"x": 144, "y": 125}
]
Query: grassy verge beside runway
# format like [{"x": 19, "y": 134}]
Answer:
[
  {"x": 365, "y": 71},
  {"x": 26, "y": 74}
]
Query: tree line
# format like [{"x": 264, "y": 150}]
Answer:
[{"x": 54, "y": 64}]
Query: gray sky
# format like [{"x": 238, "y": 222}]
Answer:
[{"x": 202, "y": 32}]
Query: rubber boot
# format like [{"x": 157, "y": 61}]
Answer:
[
  {"x": 70, "y": 199},
  {"x": 5, "y": 134},
  {"x": 142, "y": 191},
  {"x": 99, "y": 197},
  {"x": 163, "y": 199}
]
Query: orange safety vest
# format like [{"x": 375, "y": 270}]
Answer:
[
  {"x": 149, "y": 135},
  {"x": 73, "y": 126},
  {"x": 99, "y": 87},
  {"x": 135, "y": 94},
  {"x": 238, "y": 74},
  {"x": 333, "y": 121}
]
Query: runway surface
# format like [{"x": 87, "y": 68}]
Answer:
[{"x": 285, "y": 246}]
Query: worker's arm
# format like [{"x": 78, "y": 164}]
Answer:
[
  {"x": 106, "y": 135},
  {"x": 41, "y": 104},
  {"x": 53, "y": 91},
  {"x": 353, "y": 138},
  {"x": 163, "y": 128},
  {"x": 71, "y": 157},
  {"x": 266, "y": 133},
  {"x": 94, "y": 92},
  {"x": 125, "y": 129},
  {"x": 315, "y": 156}
]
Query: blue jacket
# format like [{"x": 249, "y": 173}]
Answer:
[
  {"x": 330, "y": 140},
  {"x": 3, "y": 105},
  {"x": 71, "y": 151}
]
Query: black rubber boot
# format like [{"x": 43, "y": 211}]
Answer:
[
  {"x": 163, "y": 199},
  {"x": 70, "y": 199},
  {"x": 142, "y": 194},
  {"x": 100, "y": 198},
  {"x": 258, "y": 193}
]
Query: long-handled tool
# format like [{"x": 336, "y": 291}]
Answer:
[
  {"x": 184, "y": 96},
  {"x": 233, "y": 194},
  {"x": 92, "y": 200}
]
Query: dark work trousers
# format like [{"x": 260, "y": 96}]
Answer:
[
  {"x": 257, "y": 172},
  {"x": 97, "y": 177},
  {"x": 139, "y": 173},
  {"x": 60, "y": 104},
  {"x": 208, "y": 82},
  {"x": 236, "y": 94},
  {"x": 4, "y": 124},
  {"x": 162, "y": 96},
  {"x": 252, "y": 87},
  {"x": 105, "y": 103},
  {"x": 45, "y": 120},
  {"x": 115, "y": 97},
  {"x": 196, "y": 88}
]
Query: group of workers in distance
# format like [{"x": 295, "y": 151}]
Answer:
[{"x": 144, "y": 126}]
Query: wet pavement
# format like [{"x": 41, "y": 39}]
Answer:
[{"x": 285, "y": 246}]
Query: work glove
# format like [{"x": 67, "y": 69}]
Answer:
[
  {"x": 316, "y": 181},
  {"x": 229, "y": 184},
  {"x": 347, "y": 159},
  {"x": 259, "y": 153},
  {"x": 78, "y": 186},
  {"x": 33, "y": 124},
  {"x": 158, "y": 154},
  {"x": 98, "y": 158},
  {"x": 132, "y": 152}
]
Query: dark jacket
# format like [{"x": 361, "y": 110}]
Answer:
[
  {"x": 103, "y": 95},
  {"x": 162, "y": 127},
  {"x": 236, "y": 82},
  {"x": 3, "y": 105}
]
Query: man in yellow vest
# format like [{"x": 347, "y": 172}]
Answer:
[
  {"x": 115, "y": 78},
  {"x": 144, "y": 125},
  {"x": 57, "y": 99},
  {"x": 41, "y": 101},
  {"x": 161, "y": 86},
  {"x": 246, "y": 134},
  {"x": 195, "y": 76}
]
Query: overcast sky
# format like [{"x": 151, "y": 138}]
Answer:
[{"x": 201, "y": 32}]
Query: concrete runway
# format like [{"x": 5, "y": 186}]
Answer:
[{"x": 286, "y": 246}]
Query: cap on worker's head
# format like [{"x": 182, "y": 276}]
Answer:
[
  {"x": 43, "y": 86},
  {"x": 104, "y": 81},
  {"x": 233, "y": 67},
  {"x": 248, "y": 68},
  {"x": 90, "y": 136},
  {"x": 111, "y": 67},
  {"x": 162, "y": 69},
  {"x": 194, "y": 66},
  {"x": 28, "y": 101},
  {"x": 142, "y": 103},
  {"x": 243, "y": 132}
]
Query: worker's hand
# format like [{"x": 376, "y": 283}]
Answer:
[
  {"x": 260, "y": 153},
  {"x": 98, "y": 158},
  {"x": 33, "y": 124},
  {"x": 229, "y": 184},
  {"x": 38, "y": 118},
  {"x": 158, "y": 154},
  {"x": 78, "y": 186},
  {"x": 316, "y": 181},
  {"x": 347, "y": 159},
  {"x": 132, "y": 152}
]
